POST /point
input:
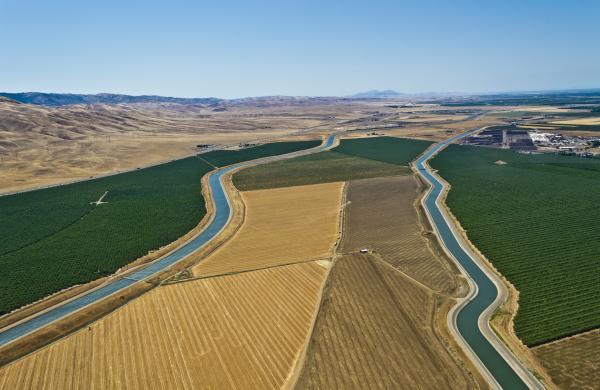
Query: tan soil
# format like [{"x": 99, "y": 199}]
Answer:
[
  {"x": 281, "y": 226},
  {"x": 374, "y": 331},
  {"x": 573, "y": 362},
  {"x": 66, "y": 326},
  {"x": 42, "y": 146},
  {"x": 381, "y": 216},
  {"x": 237, "y": 331},
  {"x": 355, "y": 347},
  {"x": 582, "y": 121}
]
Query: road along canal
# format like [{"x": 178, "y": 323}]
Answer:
[
  {"x": 469, "y": 319},
  {"x": 219, "y": 220}
]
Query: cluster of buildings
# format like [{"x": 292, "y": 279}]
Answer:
[
  {"x": 526, "y": 141},
  {"x": 565, "y": 144},
  {"x": 507, "y": 138}
]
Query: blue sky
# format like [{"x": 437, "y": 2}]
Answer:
[{"x": 251, "y": 48}]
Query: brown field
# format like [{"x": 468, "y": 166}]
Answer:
[
  {"x": 374, "y": 330},
  {"x": 574, "y": 362},
  {"x": 237, "y": 331},
  {"x": 381, "y": 216},
  {"x": 281, "y": 226}
]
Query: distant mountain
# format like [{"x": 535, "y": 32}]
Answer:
[
  {"x": 64, "y": 99},
  {"x": 4, "y": 99},
  {"x": 377, "y": 94}
]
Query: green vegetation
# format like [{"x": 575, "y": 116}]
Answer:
[
  {"x": 536, "y": 219},
  {"x": 221, "y": 158},
  {"x": 400, "y": 151},
  {"x": 353, "y": 159},
  {"x": 322, "y": 167},
  {"x": 54, "y": 238}
]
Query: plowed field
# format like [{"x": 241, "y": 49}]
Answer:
[
  {"x": 281, "y": 226},
  {"x": 237, "y": 331},
  {"x": 374, "y": 331},
  {"x": 381, "y": 216},
  {"x": 574, "y": 362}
]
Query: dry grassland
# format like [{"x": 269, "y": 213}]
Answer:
[
  {"x": 239, "y": 331},
  {"x": 381, "y": 216},
  {"x": 374, "y": 330},
  {"x": 574, "y": 362},
  {"x": 439, "y": 132},
  {"x": 281, "y": 226},
  {"x": 42, "y": 146},
  {"x": 582, "y": 121},
  {"x": 428, "y": 133},
  {"x": 48, "y": 145},
  {"x": 432, "y": 118}
]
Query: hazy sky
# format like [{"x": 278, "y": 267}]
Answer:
[{"x": 249, "y": 48}]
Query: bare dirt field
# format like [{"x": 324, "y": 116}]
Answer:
[
  {"x": 374, "y": 330},
  {"x": 382, "y": 323},
  {"x": 281, "y": 226},
  {"x": 381, "y": 216},
  {"x": 237, "y": 331},
  {"x": 573, "y": 362}
]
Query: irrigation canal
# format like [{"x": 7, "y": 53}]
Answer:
[
  {"x": 467, "y": 317},
  {"x": 221, "y": 217},
  {"x": 466, "y": 321}
]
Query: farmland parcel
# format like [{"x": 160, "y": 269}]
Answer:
[
  {"x": 236, "y": 331},
  {"x": 55, "y": 238},
  {"x": 281, "y": 226},
  {"x": 573, "y": 362},
  {"x": 374, "y": 331},
  {"x": 324, "y": 167},
  {"x": 353, "y": 159},
  {"x": 376, "y": 326},
  {"x": 399, "y": 151},
  {"x": 381, "y": 216},
  {"x": 536, "y": 219}
]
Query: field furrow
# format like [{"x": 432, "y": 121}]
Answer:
[
  {"x": 236, "y": 331},
  {"x": 368, "y": 334},
  {"x": 281, "y": 226},
  {"x": 381, "y": 216}
]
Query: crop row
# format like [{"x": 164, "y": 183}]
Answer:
[
  {"x": 54, "y": 238},
  {"x": 535, "y": 218}
]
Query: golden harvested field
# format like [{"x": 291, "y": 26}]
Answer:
[
  {"x": 574, "y": 362},
  {"x": 281, "y": 226},
  {"x": 238, "y": 331},
  {"x": 582, "y": 121},
  {"x": 374, "y": 331},
  {"x": 381, "y": 216}
]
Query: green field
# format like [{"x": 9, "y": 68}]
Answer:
[
  {"x": 400, "y": 151},
  {"x": 353, "y": 159},
  {"x": 54, "y": 238},
  {"x": 221, "y": 158},
  {"x": 324, "y": 167},
  {"x": 537, "y": 220}
]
